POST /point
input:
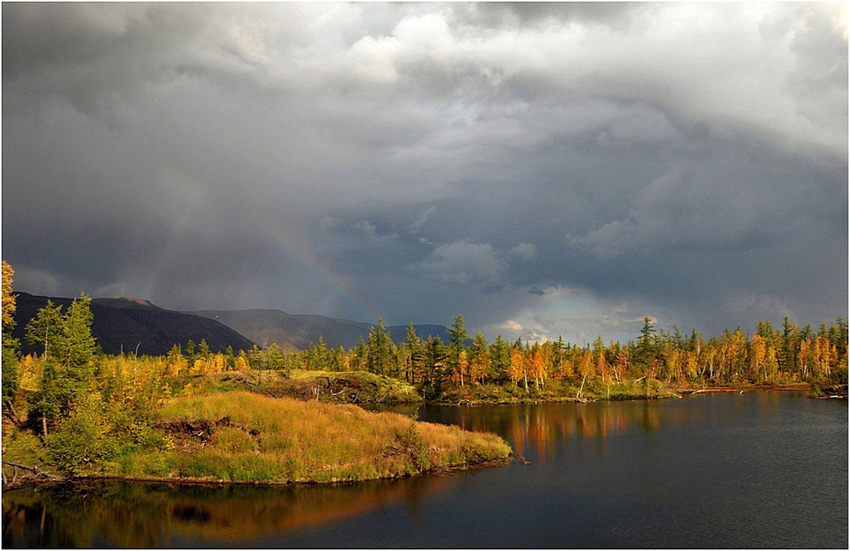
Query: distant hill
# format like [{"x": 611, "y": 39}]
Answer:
[
  {"x": 297, "y": 331},
  {"x": 128, "y": 322}
]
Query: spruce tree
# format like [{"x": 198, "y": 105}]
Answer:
[
  {"x": 414, "y": 354},
  {"x": 457, "y": 337},
  {"x": 10, "y": 344},
  {"x": 45, "y": 329},
  {"x": 69, "y": 351},
  {"x": 379, "y": 357}
]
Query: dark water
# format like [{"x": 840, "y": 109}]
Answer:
[{"x": 764, "y": 469}]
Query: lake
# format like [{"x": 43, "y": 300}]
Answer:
[{"x": 759, "y": 469}]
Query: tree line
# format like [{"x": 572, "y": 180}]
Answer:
[
  {"x": 69, "y": 359},
  {"x": 87, "y": 407},
  {"x": 771, "y": 355}
]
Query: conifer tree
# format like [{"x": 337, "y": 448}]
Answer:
[
  {"x": 645, "y": 351},
  {"x": 500, "y": 356},
  {"x": 379, "y": 355},
  {"x": 69, "y": 351},
  {"x": 45, "y": 329},
  {"x": 434, "y": 358},
  {"x": 457, "y": 337},
  {"x": 190, "y": 352},
  {"x": 229, "y": 358},
  {"x": 413, "y": 360},
  {"x": 10, "y": 344}
]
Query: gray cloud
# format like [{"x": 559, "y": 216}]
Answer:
[
  {"x": 532, "y": 166},
  {"x": 464, "y": 262}
]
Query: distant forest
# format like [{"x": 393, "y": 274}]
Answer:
[{"x": 770, "y": 356}]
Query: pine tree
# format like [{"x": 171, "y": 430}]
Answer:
[
  {"x": 229, "y": 358},
  {"x": 45, "y": 328},
  {"x": 434, "y": 368},
  {"x": 457, "y": 337},
  {"x": 379, "y": 357},
  {"x": 500, "y": 355},
  {"x": 10, "y": 344},
  {"x": 69, "y": 351},
  {"x": 413, "y": 360},
  {"x": 275, "y": 355},
  {"x": 190, "y": 352},
  {"x": 646, "y": 349}
]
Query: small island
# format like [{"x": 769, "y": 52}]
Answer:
[{"x": 247, "y": 438}]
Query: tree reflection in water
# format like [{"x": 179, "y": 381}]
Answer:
[
  {"x": 135, "y": 514},
  {"x": 575, "y": 436},
  {"x": 539, "y": 429}
]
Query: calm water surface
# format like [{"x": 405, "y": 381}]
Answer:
[{"x": 762, "y": 469}]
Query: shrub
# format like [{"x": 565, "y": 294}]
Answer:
[{"x": 80, "y": 442}]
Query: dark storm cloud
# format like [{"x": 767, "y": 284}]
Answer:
[
  {"x": 501, "y": 14},
  {"x": 540, "y": 168}
]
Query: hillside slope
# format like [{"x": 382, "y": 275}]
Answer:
[
  {"x": 297, "y": 331},
  {"x": 124, "y": 323}
]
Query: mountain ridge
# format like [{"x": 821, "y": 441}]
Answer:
[
  {"x": 296, "y": 331},
  {"x": 121, "y": 324}
]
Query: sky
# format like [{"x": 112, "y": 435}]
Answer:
[{"x": 542, "y": 169}]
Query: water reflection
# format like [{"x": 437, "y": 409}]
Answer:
[
  {"x": 538, "y": 429},
  {"x": 126, "y": 514},
  {"x": 654, "y": 474}
]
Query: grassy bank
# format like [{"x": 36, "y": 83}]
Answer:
[
  {"x": 245, "y": 437},
  {"x": 556, "y": 391}
]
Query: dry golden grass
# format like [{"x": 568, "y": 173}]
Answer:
[{"x": 255, "y": 438}]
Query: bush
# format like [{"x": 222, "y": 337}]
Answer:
[{"x": 80, "y": 442}]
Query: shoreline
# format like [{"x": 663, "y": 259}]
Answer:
[
  {"x": 40, "y": 480},
  {"x": 674, "y": 393},
  {"x": 34, "y": 482}
]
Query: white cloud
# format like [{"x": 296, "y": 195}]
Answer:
[
  {"x": 464, "y": 262},
  {"x": 527, "y": 251},
  {"x": 511, "y": 325},
  {"x": 367, "y": 228}
]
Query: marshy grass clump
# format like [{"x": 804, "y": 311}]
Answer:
[{"x": 245, "y": 437}]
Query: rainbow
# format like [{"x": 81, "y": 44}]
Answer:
[{"x": 304, "y": 256}]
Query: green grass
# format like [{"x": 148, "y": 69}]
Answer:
[
  {"x": 25, "y": 448},
  {"x": 342, "y": 387},
  {"x": 261, "y": 439}
]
